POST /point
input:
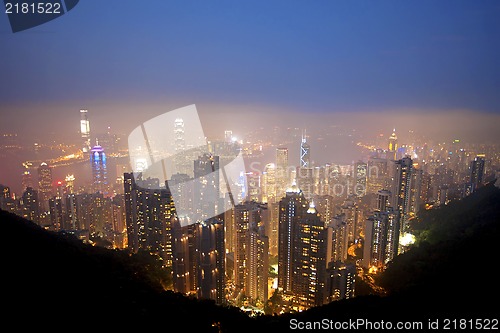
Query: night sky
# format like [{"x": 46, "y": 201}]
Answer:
[{"x": 137, "y": 59}]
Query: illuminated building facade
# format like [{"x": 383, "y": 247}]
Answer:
[
  {"x": 476, "y": 172},
  {"x": 304, "y": 250},
  {"x": 251, "y": 268},
  {"x": 199, "y": 259},
  {"x": 269, "y": 183},
  {"x": 282, "y": 176},
  {"x": 341, "y": 278},
  {"x": 99, "y": 170},
  {"x": 291, "y": 209},
  {"x": 45, "y": 189},
  {"x": 311, "y": 253},
  {"x": 30, "y": 204},
  {"x": 149, "y": 212},
  {"x": 85, "y": 130},
  {"x": 393, "y": 146}
]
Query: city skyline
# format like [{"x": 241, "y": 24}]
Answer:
[{"x": 272, "y": 156}]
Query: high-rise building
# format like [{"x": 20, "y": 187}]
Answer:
[
  {"x": 305, "y": 153},
  {"x": 339, "y": 237},
  {"x": 381, "y": 234},
  {"x": 304, "y": 250},
  {"x": 198, "y": 259},
  {"x": 85, "y": 130},
  {"x": 7, "y": 202},
  {"x": 377, "y": 178},
  {"x": 360, "y": 178},
  {"x": 27, "y": 180},
  {"x": 269, "y": 183},
  {"x": 209, "y": 240},
  {"x": 291, "y": 209},
  {"x": 30, "y": 204},
  {"x": 99, "y": 170},
  {"x": 251, "y": 251},
  {"x": 401, "y": 191},
  {"x": 253, "y": 186},
  {"x": 282, "y": 172},
  {"x": 56, "y": 213},
  {"x": 305, "y": 181},
  {"x": 206, "y": 187},
  {"x": 149, "y": 212},
  {"x": 476, "y": 172},
  {"x": 310, "y": 255},
  {"x": 393, "y": 146},
  {"x": 341, "y": 279},
  {"x": 70, "y": 184},
  {"x": 45, "y": 190}
]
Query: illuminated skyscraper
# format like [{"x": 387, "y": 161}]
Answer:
[
  {"x": 30, "y": 205},
  {"x": 210, "y": 260},
  {"x": 251, "y": 266},
  {"x": 305, "y": 181},
  {"x": 198, "y": 259},
  {"x": 269, "y": 183},
  {"x": 360, "y": 178},
  {"x": 405, "y": 194},
  {"x": 341, "y": 279},
  {"x": 180, "y": 142},
  {"x": 85, "y": 130},
  {"x": 476, "y": 172},
  {"x": 27, "y": 180},
  {"x": 149, "y": 212},
  {"x": 310, "y": 256},
  {"x": 340, "y": 238},
  {"x": 70, "y": 184},
  {"x": 393, "y": 146},
  {"x": 381, "y": 234},
  {"x": 291, "y": 208},
  {"x": 305, "y": 153},
  {"x": 206, "y": 186},
  {"x": 282, "y": 176},
  {"x": 99, "y": 170},
  {"x": 45, "y": 190}
]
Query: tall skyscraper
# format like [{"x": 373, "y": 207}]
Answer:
[
  {"x": 305, "y": 181},
  {"x": 198, "y": 259},
  {"x": 393, "y": 146},
  {"x": 85, "y": 130},
  {"x": 149, "y": 212},
  {"x": 30, "y": 205},
  {"x": 339, "y": 237},
  {"x": 310, "y": 255},
  {"x": 360, "y": 178},
  {"x": 381, "y": 234},
  {"x": 476, "y": 172},
  {"x": 27, "y": 180},
  {"x": 282, "y": 172},
  {"x": 269, "y": 183},
  {"x": 70, "y": 184},
  {"x": 341, "y": 280},
  {"x": 209, "y": 240},
  {"x": 45, "y": 190},
  {"x": 303, "y": 251},
  {"x": 99, "y": 170},
  {"x": 305, "y": 153},
  {"x": 251, "y": 263},
  {"x": 206, "y": 187},
  {"x": 401, "y": 191},
  {"x": 56, "y": 213},
  {"x": 291, "y": 209}
]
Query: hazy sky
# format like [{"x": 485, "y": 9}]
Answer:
[{"x": 127, "y": 61}]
